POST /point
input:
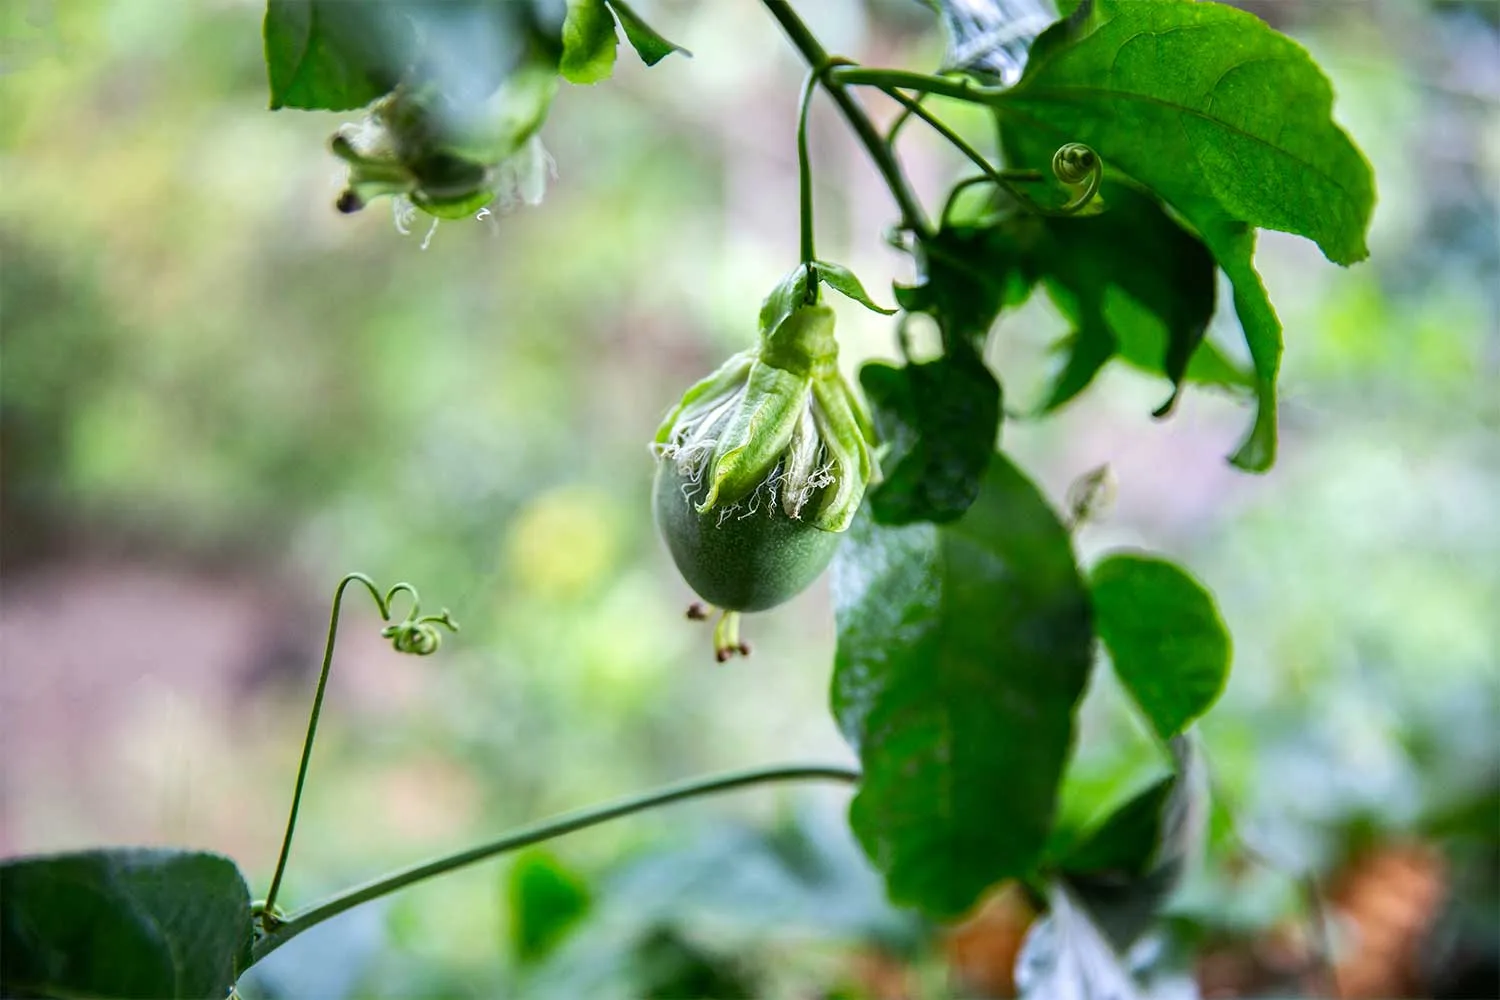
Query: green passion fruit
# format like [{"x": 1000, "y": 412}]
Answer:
[{"x": 748, "y": 557}]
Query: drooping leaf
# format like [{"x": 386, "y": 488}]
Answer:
[
  {"x": 1164, "y": 635},
  {"x": 1220, "y": 116},
  {"x": 842, "y": 280},
  {"x": 123, "y": 923},
  {"x": 646, "y": 40},
  {"x": 938, "y": 422},
  {"x": 588, "y": 42},
  {"x": 1262, "y": 327},
  {"x": 333, "y": 55},
  {"x": 1126, "y": 841},
  {"x": 962, "y": 652},
  {"x": 546, "y": 902},
  {"x": 1134, "y": 283},
  {"x": 1127, "y": 868}
]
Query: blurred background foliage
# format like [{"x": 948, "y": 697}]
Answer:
[{"x": 219, "y": 395}]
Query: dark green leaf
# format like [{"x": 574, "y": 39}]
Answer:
[
  {"x": 588, "y": 42},
  {"x": 334, "y": 55},
  {"x": 1257, "y": 452},
  {"x": 842, "y": 280},
  {"x": 1126, "y": 841},
  {"x": 1133, "y": 861},
  {"x": 546, "y": 902},
  {"x": 967, "y": 275},
  {"x": 962, "y": 653},
  {"x": 1164, "y": 635},
  {"x": 123, "y": 923},
  {"x": 1130, "y": 279},
  {"x": 1226, "y": 120},
  {"x": 938, "y": 421},
  {"x": 647, "y": 42}
]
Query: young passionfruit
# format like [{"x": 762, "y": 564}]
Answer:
[{"x": 760, "y": 469}]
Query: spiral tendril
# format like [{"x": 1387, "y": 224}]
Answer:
[{"x": 1077, "y": 165}]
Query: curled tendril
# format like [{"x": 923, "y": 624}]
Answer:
[
  {"x": 419, "y": 636},
  {"x": 416, "y": 633},
  {"x": 1077, "y": 165}
]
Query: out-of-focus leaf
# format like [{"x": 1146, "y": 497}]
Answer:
[
  {"x": 1067, "y": 957},
  {"x": 990, "y": 38},
  {"x": 938, "y": 421},
  {"x": 1164, "y": 635},
  {"x": 669, "y": 965},
  {"x": 333, "y": 55},
  {"x": 646, "y": 40},
  {"x": 1221, "y": 117},
  {"x": 962, "y": 652},
  {"x": 1126, "y": 841},
  {"x": 588, "y": 42},
  {"x": 1131, "y": 863},
  {"x": 546, "y": 902},
  {"x": 123, "y": 923}
]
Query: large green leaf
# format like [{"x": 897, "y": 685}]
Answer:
[
  {"x": 1226, "y": 120},
  {"x": 1168, "y": 644},
  {"x": 1211, "y": 108},
  {"x": 938, "y": 422},
  {"x": 963, "y": 650},
  {"x": 334, "y": 55},
  {"x": 123, "y": 923}
]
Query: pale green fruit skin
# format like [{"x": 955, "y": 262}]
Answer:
[{"x": 745, "y": 563}]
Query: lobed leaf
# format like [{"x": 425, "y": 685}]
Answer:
[{"x": 1223, "y": 118}]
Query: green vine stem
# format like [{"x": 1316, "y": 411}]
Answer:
[
  {"x": 804, "y": 179},
  {"x": 289, "y": 928},
  {"x": 961, "y": 89},
  {"x": 822, "y": 65},
  {"x": 417, "y": 634}
]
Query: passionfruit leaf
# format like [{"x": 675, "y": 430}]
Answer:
[
  {"x": 963, "y": 651},
  {"x": 125, "y": 922},
  {"x": 938, "y": 421},
  {"x": 1169, "y": 645}
]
